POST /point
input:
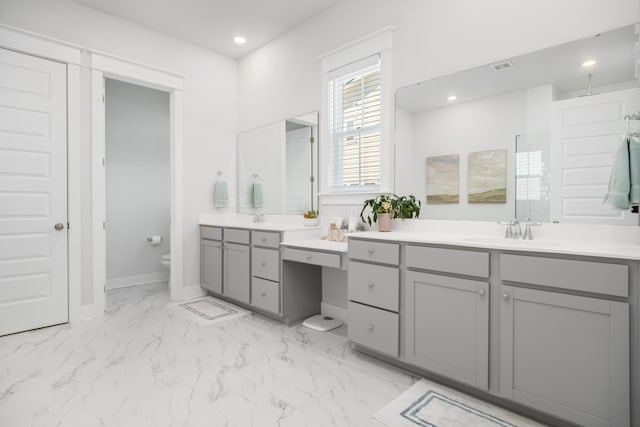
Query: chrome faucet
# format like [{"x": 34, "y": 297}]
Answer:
[
  {"x": 514, "y": 229},
  {"x": 258, "y": 218},
  {"x": 528, "y": 235}
]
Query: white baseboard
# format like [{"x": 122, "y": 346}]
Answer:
[
  {"x": 140, "y": 279},
  {"x": 190, "y": 292},
  {"x": 334, "y": 311}
]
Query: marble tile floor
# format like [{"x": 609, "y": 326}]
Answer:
[{"x": 144, "y": 365}]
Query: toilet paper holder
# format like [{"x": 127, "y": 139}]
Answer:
[{"x": 154, "y": 240}]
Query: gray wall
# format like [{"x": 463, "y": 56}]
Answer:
[{"x": 138, "y": 178}]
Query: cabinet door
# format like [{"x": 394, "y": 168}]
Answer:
[
  {"x": 237, "y": 272},
  {"x": 447, "y": 326},
  {"x": 211, "y": 265},
  {"x": 566, "y": 355}
]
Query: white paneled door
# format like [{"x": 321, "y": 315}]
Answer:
[
  {"x": 586, "y": 133},
  {"x": 33, "y": 193}
]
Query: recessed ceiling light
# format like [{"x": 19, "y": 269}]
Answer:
[
  {"x": 589, "y": 63},
  {"x": 240, "y": 39},
  {"x": 452, "y": 98}
]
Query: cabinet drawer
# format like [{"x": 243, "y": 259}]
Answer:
[
  {"x": 469, "y": 263},
  {"x": 210, "y": 233},
  {"x": 374, "y": 285},
  {"x": 587, "y": 276},
  {"x": 267, "y": 239},
  {"x": 236, "y": 235},
  {"x": 265, "y": 263},
  {"x": 312, "y": 257},
  {"x": 265, "y": 294},
  {"x": 385, "y": 253},
  {"x": 374, "y": 328}
]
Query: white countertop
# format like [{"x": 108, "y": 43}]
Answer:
[
  {"x": 317, "y": 244},
  {"x": 594, "y": 249},
  {"x": 268, "y": 225}
]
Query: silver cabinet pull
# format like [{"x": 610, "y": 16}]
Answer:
[
  {"x": 505, "y": 297},
  {"x": 481, "y": 292},
  {"x": 264, "y": 294},
  {"x": 263, "y": 263},
  {"x": 371, "y": 285},
  {"x": 264, "y": 239},
  {"x": 59, "y": 226},
  {"x": 370, "y": 328},
  {"x": 371, "y": 251},
  {"x": 308, "y": 257}
]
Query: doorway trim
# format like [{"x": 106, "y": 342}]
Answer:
[
  {"x": 104, "y": 65},
  {"x": 33, "y": 44}
]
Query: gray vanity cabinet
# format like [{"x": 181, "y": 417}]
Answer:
[
  {"x": 561, "y": 353},
  {"x": 237, "y": 279},
  {"x": 373, "y": 290},
  {"x": 447, "y": 326},
  {"x": 211, "y": 258},
  {"x": 566, "y": 355},
  {"x": 211, "y": 267},
  {"x": 265, "y": 270},
  {"x": 447, "y": 318},
  {"x": 237, "y": 265}
]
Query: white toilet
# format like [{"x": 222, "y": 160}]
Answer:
[{"x": 165, "y": 260}]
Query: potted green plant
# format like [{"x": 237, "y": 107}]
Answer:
[
  {"x": 384, "y": 207},
  {"x": 310, "y": 218}
]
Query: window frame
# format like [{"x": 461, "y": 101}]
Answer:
[{"x": 345, "y": 58}]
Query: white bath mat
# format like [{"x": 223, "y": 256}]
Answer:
[
  {"x": 207, "y": 310},
  {"x": 433, "y": 405}
]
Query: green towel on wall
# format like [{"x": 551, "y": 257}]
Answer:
[
  {"x": 221, "y": 194},
  {"x": 256, "y": 195},
  {"x": 624, "y": 183}
]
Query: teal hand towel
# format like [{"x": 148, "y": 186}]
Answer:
[
  {"x": 221, "y": 194},
  {"x": 624, "y": 182},
  {"x": 256, "y": 195},
  {"x": 634, "y": 170}
]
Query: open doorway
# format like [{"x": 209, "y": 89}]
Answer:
[
  {"x": 105, "y": 66},
  {"x": 138, "y": 185}
]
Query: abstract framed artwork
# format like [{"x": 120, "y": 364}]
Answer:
[
  {"x": 443, "y": 179},
  {"x": 487, "y": 177}
]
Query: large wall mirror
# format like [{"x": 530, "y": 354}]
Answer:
[
  {"x": 556, "y": 115},
  {"x": 278, "y": 167}
]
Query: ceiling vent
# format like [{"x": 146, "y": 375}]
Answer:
[{"x": 501, "y": 66}]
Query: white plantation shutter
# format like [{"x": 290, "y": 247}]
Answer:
[
  {"x": 529, "y": 175},
  {"x": 354, "y": 126}
]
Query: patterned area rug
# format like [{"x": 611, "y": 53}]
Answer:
[
  {"x": 433, "y": 405},
  {"x": 207, "y": 311}
]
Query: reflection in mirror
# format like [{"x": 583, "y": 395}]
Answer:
[
  {"x": 560, "y": 114},
  {"x": 278, "y": 163},
  {"x": 532, "y": 177}
]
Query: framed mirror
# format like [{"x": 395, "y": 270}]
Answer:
[
  {"x": 278, "y": 167},
  {"x": 558, "y": 113}
]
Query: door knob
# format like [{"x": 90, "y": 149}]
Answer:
[
  {"x": 505, "y": 297},
  {"x": 59, "y": 226},
  {"x": 481, "y": 292}
]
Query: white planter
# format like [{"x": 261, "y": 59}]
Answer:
[{"x": 310, "y": 222}]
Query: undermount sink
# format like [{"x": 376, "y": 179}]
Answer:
[{"x": 502, "y": 241}]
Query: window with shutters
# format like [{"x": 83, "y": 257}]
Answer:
[
  {"x": 355, "y": 127},
  {"x": 529, "y": 168}
]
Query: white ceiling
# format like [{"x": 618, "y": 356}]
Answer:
[
  {"x": 212, "y": 24},
  {"x": 560, "y": 65}
]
